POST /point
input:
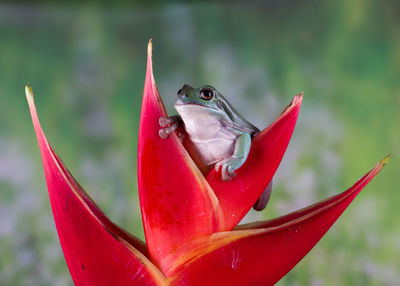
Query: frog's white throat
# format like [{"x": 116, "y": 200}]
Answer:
[{"x": 205, "y": 129}]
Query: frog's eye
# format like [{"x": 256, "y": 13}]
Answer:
[{"x": 206, "y": 93}]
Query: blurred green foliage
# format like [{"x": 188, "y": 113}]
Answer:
[{"x": 86, "y": 65}]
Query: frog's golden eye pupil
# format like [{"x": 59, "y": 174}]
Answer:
[{"x": 206, "y": 93}]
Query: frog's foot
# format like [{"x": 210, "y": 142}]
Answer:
[
  {"x": 169, "y": 124},
  {"x": 228, "y": 166},
  {"x": 262, "y": 201}
]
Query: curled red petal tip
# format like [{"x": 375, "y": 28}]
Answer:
[{"x": 237, "y": 196}]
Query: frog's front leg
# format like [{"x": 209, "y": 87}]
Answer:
[
  {"x": 229, "y": 164},
  {"x": 169, "y": 124}
]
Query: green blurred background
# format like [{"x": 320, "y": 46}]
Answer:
[{"x": 86, "y": 64}]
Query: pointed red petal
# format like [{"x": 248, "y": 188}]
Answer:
[
  {"x": 262, "y": 256},
  {"x": 176, "y": 201},
  {"x": 237, "y": 196},
  {"x": 97, "y": 251}
]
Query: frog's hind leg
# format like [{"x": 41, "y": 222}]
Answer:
[
  {"x": 169, "y": 124},
  {"x": 262, "y": 201}
]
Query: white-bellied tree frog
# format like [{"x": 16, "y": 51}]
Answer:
[{"x": 215, "y": 134}]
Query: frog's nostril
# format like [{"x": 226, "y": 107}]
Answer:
[
  {"x": 182, "y": 94},
  {"x": 184, "y": 91}
]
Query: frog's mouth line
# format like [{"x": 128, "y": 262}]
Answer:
[{"x": 179, "y": 103}]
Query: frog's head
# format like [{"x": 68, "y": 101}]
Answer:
[{"x": 206, "y": 96}]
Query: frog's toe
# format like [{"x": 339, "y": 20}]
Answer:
[
  {"x": 165, "y": 121},
  {"x": 228, "y": 171},
  {"x": 231, "y": 172},
  {"x": 164, "y": 132},
  {"x": 225, "y": 173},
  {"x": 217, "y": 166},
  {"x": 227, "y": 167}
]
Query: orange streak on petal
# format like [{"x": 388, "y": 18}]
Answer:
[{"x": 264, "y": 254}]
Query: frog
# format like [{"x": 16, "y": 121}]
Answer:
[{"x": 213, "y": 132}]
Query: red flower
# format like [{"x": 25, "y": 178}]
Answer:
[{"x": 189, "y": 219}]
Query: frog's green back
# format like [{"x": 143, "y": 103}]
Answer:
[{"x": 239, "y": 122}]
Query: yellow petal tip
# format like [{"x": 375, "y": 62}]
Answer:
[
  {"x": 29, "y": 92},
  {"x": 297, "y": 98},
  {"x": 150, "y": 46},
  {"x": 385, "y": 160}
]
